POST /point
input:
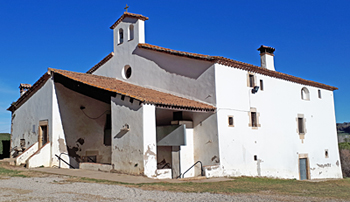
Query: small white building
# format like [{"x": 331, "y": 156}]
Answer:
[{"x": 153, "y": 111}]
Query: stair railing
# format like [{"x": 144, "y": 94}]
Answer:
[
  {"x": 202, "y": 172},
  {"x": 60, "y": 159}
]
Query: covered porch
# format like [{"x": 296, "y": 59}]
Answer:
[{"x": 115, "y": 126}]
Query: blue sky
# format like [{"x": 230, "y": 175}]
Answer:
[{"x": 311, "y": 37}]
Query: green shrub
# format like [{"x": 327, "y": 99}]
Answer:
[{"x": 344, "y": 145}]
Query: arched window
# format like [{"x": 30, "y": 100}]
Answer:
[
  {"x": 131, "y": 32},
  {"x": 305, "y": 95},
  {"x": 121, "y": 36}
]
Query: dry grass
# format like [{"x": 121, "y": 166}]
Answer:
[{"x": 332, "y": 189}]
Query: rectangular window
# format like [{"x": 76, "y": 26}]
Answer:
[
  {"x": 301, "y": 127},
  {"x": 254, "y": 119},
  {"x": 91, "y": 159},
  {"x": 261, "y": 84},
  {"x": 251, "y": 80},
  {"x": 22, "y": 143},
  {"x": 230, "y": 121},
  {"x": 177, "y": 116},
  {"x": 319, "y": 94},
  {"x": 107, "y": 139}
]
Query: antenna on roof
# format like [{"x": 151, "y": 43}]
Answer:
[{"x": 126, "y": 8}]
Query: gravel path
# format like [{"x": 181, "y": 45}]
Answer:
[{"x": 54, "y": 188}]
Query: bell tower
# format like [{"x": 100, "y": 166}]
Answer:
[{"x": 129, "y": 30}]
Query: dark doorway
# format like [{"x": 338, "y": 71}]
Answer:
[{"x": 5, "y": 149}]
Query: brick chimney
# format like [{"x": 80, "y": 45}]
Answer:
[
  {"x": 266, "y": 57},
  {"x": 24, "y": 88}
]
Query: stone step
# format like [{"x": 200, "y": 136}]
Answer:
[
  {"x": 192, "y": 178},
  {"x": 9, "y": 161}
]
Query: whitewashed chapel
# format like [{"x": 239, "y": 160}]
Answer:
[{"x": 154, "y": 111}]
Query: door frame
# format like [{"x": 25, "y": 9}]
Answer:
[
  {"x": 304, "y": 156},
  {"x": 40, "y": 132}
]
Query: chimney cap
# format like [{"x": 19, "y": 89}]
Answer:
[
  {"x": 24, "y": 85},
  {"x": 266, "y": 49}
]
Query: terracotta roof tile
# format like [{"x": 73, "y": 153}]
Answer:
[
  {"x": 145, "y": 95},
  {"x": 99, "y": 64},
  {"x": 175, "y": 52},
  {"x": 238, "y": 65},
  {"x": 131, "y": 15}
]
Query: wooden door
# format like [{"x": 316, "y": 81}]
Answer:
[{"x": 43, "y": 136}]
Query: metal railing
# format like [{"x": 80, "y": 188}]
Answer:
[
  {"x": 202, "y": 172},
  {"x": 60, "y": 159},
  {"x": 167, "y": 164}
]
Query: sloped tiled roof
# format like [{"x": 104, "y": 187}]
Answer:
[
  {"x": 99, "y": 64},
  {"x": 238, "y": 65},
  {"x": 145, "y": 95},
  {"x": 131, "y": 15}
]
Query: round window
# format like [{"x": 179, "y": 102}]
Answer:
[{"x": 126, "y": 72}]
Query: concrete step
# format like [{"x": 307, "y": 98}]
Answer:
[
  {"x": 9, "y": 161},
  {"x": 193, "y": 178}
]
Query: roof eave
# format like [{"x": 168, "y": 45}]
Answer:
[
  {"x": 237, "y": 64},
  {"x": 131, "y": 15},
  {"x": 101, "y": 63}
]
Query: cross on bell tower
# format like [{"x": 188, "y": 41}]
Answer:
[{"x": 126, "y": 8}]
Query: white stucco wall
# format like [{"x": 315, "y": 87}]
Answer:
[
  {"x": 276, "y": 143},
  {"x": 205, "y": 140},
  {"x": 186, "y": 154},
  {"x": 22, "y": 158},
  {"x": 163, "y": 173},
  {"x": 83, "y": 130},
  {"x": 41, "y": 106},
  {"x": 134, "y": 151},
  {"x": 26, "y": 118},
  {"x": 127, "y": 146},
  {"x": 149, "y": 141},
  {"x": 58, "y": 141},
  {"x": 41, "y": 157}
]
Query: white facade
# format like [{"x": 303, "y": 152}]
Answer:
[
  {"x": 276, "y": 143},
  {"x": 272, "y": 131}
]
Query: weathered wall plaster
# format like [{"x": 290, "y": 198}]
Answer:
[
  {"x": 127, "y": 147},
  {"x": 84, "y": 130},
  {"x": 26, "y": 118},
  {"x": 149, "y": 141},
  {"x": 186, "y": 154},
  {"x": 205, "y": 140},
  {"x": 40, "y": 157},
  {"x": 22, "y": 158}
]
